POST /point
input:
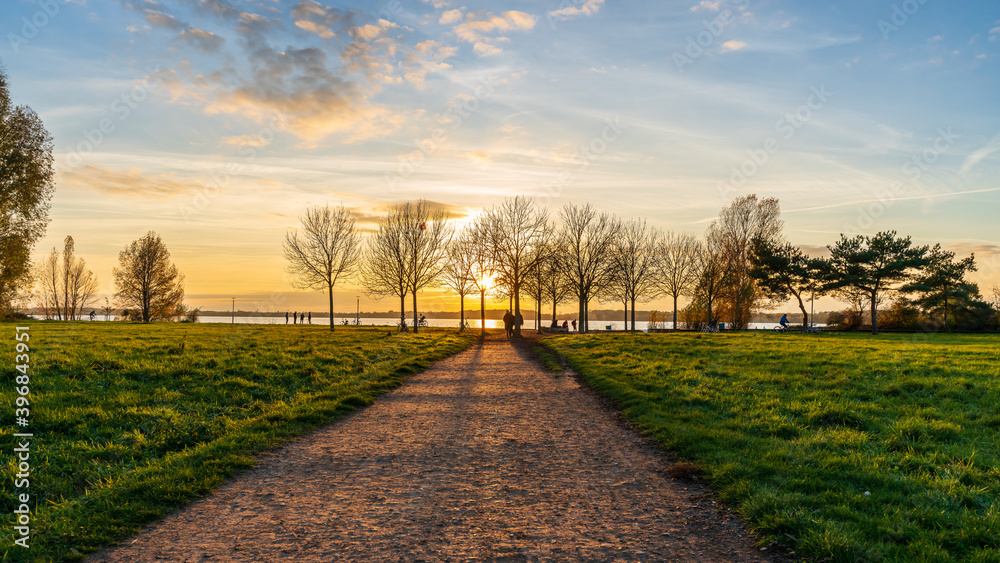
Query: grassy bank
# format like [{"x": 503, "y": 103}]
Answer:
[
  {"x": 841, "y": 447},
  {"x": 132, "y": 421}
]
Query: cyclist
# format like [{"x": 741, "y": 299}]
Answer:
[{"x": 783, "y": 322}]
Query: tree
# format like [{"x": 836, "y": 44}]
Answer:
[
  {"x": 941, "y": 282},
  {"x": 739, "y": 224},
  {"x": 26, "y": 188},
  {"x": 677, "y": 257},
  {"x": 146, "y": 280},
  {"x": 427, "y": 246},
  {"x": 66, "y": 288},
  {"x": 634, "y": 263},
  {"x": 876, "y": 265},
  {"x": 783, "y": 271},
  {"x": 406, "y": 254},
  {"x": 459, "y": 269},
  {"x": 323, "y": 251},
  {"x": 585, "y": 242},
  {"x": 555, "y": 286},
  {"x": 713, "y": 275},
  {"x": 483, "y": 271},
  {"x": 515, "y": 231}
]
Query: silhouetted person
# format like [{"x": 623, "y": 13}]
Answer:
[
  {"x": 574, "y": 324},
  {"x": 566, "y": 326},
  {"x": 302, "y": 318},
  {"x": 286, "y": 317},
  {"x": 295, "y": 317},
  {"x": 310, "y": 317},
  {"x": 518, "y": 321},
  {"x": 93, "y": 315},
  {"x": 508, "y": 324}
]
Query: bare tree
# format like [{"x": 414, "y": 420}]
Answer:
[
  {"x": 323, "y": 251},
  {"x": 713, "y": 274},
  {"x": 555, "y": 285},
  {"x": 386, "y": 267},
  {"x": 407, "y": 253},
  {"x": 515, "y": 231},
  {"x": 66, "y": 288},
  {"x": 634, "y": 263},
  {"x": 145, "y": 279},
  {"x": 741, "y": 223},
  {"x": 427, "y": 246},
  {"x": 460, "y": 268},
  {"x": 534, "y": 282},
  {"x": 483, "y": 270},
  {"x": 677, "y": 257},
  {"x": 585, "y": 241}
]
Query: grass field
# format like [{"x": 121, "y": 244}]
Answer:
[
  {"x": 840, "y": 447},
  {"x": 132, "y": 421}
]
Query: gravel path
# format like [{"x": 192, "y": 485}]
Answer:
[{"x": 483, "y": 457}]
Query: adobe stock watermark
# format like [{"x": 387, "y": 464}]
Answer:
[
  {"x": 588, "y": 153},
  {"x": 220, "y": 179},
  {"x": 899, "y": 17},
  {"x": 786, "y": 127},
  {"x": 913, "y": 169},
  {"x": 121, "y": 107},
  {"x": 456, "y": 114},
  {"x": 31, "y": 26},
  {"x": 698, "y": 43}
]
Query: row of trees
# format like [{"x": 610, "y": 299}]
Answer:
[
  {"x": 147, "y": 284},
  {"x": 513, "y": 250}
]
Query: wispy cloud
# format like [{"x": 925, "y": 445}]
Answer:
[
  {"x": 980, "y": 154},
  {"x": 588, "y": 8}
]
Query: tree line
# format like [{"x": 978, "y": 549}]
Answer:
[{"x": 514, "y": 250}]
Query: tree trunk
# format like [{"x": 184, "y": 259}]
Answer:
[
  {"x": 874, "y": 314},
  {"x": 633, "y": 314},
  {"x": 675, "y": 312},
  {"x": 402, "y": 310},
  {"x": 946, "y": 327},
  {"x": 482, "y": 311},
  {"x": 554, "y": 312},
  {"x": 461, "y": 319},
  {"x": 517, "y": 309},
  {"x": 538, "y": 314},
  {"x": 330, "y": 288},
  {"x": 802, "y": 307},
  {"x": 416, "y": 324},
  {"x": 626, "y": 313}
]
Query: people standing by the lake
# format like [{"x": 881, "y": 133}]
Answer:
[
  {"x": 93, "y": 315},
  {"x": 574, "y": 324},
  {"x": 302, "y": 318},
  {"x": 508, "y": 323},
  {"x": 566, "y": 325},
  {"x": 286, "y": 317},
  {"x": 295, "y": 317},
  {"x": 310, "y": 317}
]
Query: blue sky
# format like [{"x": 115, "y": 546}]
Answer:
[{"x": 224, "y": 119}]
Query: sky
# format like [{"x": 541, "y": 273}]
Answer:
[{"x": 216, "y": 123}]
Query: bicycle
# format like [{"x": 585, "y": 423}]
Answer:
[
  {"x": 812, "y": 329},
  {"x": 781, "y": 328},
  {"x": 422, "y": 323},
  {"x": 711, "y": 328}
]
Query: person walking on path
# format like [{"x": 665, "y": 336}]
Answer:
[{"x": 508, "y": 323}]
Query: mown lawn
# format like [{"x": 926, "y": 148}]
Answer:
[
  {"x": 132, "y": 421},
  {"x": 840, "y": 447}
]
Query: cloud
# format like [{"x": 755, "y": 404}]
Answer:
[
  {"x": 132, "y": 182},
  {"x": 164, "y": 20},
  {"x": 246, "y": 141},
  {"x": 588, "y": 8},
  {"x": 980, "y": 154},
  {"x": 482, "y": 29},
  {"x": 706, "y": 5},
  {"x": 313, "y": 27},
  {"x": 427, "y": 56},
  {"x": 202, "y": 40},
  {"x": 995, "y": 34},
  {"x": 451, "y": 16},
  {"x": 733, "y": 45}
]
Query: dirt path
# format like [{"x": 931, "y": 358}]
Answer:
[{"x": 483, "y": 457}]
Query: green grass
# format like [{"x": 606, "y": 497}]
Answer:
[
  {"x": 548, "y": 359},
  {"x": 133, "y": 421},
  {"x": 793, "y": 430}
]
